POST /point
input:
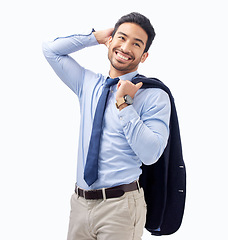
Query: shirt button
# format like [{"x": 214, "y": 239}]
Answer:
[{"x": 121, "y": 118}]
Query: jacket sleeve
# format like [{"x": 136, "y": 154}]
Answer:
[
  {"x": 57, "y": 54},
  {"x": 147, "y": 132}
]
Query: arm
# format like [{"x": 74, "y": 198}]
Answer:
[
  {"x": 57, "y": 54},
  {"x": 147, "y": 133}
]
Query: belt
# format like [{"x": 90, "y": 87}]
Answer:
[{"x": 106, "y": 193}]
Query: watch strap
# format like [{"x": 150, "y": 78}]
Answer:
[{"x": 120, "y": 102}]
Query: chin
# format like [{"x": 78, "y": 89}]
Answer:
[{"x": 123, "y": 67}]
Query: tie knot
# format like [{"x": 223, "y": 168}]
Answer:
[{"x": 111, "y": 81}]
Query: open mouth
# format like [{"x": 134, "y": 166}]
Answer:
[{"x": 123, "y": 56}]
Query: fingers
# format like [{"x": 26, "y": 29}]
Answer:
[
  {"x": 110, "y": 31},
  {"x": 119, "y": 84},
  {"x": 103, "y": 36},
  {"x": 127, "y": 88},
  {"x": 139, "y": 85}
]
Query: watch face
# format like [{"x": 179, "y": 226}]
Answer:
[{"x": 128, "y": 99}]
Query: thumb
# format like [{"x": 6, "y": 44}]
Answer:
[{"x": 139, "y": 85}]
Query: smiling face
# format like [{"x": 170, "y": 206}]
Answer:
[{"x": 126, "y": 49}]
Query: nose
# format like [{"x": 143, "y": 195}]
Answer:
[{"x": 126, "y": 47}]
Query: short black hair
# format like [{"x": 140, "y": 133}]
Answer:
[{"x": 142, "y": 21}]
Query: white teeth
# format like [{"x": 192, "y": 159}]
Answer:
[{"x": 121, "y": 56}]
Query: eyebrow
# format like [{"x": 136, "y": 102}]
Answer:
[{"x": 136, "y": 39}]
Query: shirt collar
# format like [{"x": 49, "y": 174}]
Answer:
[{"x": 128, "y": 76}]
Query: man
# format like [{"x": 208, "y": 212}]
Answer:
[{"x": 135, "y": 130}]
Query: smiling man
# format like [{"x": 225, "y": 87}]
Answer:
[
  {"x": 120, "y": 131},
  {"x": 126, "y": 48}
]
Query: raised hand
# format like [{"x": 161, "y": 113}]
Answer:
[{"x": 103, "y": 36}]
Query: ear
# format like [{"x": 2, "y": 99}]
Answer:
[
  {"x": 109, "y": 42},
  {"x": 144, "y": 57}
]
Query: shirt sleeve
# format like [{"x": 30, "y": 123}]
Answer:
[
  {"x": 57, "y": 54},
  {"x": 147, "y": 132}
]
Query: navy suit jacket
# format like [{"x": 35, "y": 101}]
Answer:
[{"x": 164, "y": 183}]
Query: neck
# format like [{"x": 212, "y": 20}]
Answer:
[{"x": 114, "y": 73}]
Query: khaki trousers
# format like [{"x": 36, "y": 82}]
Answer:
[{"x": 120, "y": 218}]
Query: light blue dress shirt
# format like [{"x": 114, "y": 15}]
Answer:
[{"x": 135, "y": 135}]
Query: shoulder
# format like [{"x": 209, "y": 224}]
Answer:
[
  {"x": 150, "y": 101},
  {"x": 154, "y": 96},
  {"x": 153, "y": 89}
]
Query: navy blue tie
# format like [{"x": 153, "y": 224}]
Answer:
[{"x": 91, "y": 167}]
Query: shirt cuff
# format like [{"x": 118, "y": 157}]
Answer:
[
  {"x": 87, "y": 40},
  {"x": 91, "y": 39},
  {"x": 127, "y": 114}
]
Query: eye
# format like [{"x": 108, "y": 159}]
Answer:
[
  {"x": 121, "y": 37},
  {"x": 137, "y": 45}
]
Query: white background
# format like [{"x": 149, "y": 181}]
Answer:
[{"x": 39, "y": 119}]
